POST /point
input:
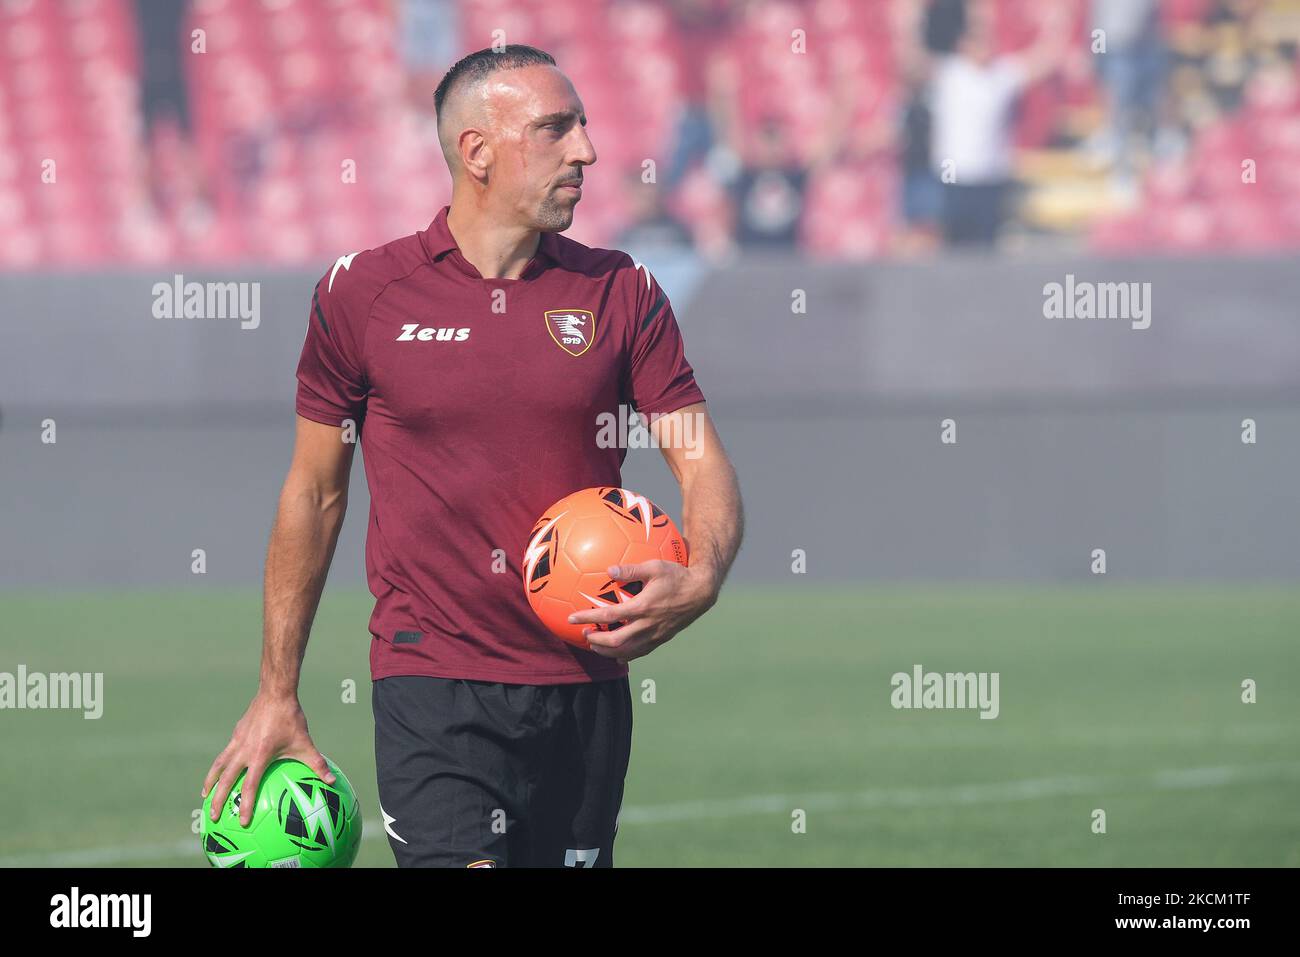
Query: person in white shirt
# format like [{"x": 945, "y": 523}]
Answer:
[{"x": 972, "y": 94}]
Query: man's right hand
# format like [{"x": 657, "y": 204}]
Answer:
[{"x": 273, "y": 727}]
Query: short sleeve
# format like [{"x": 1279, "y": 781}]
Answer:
[
  {"x": 659, "y": 380},
  {"x": 332, "y": 385}
]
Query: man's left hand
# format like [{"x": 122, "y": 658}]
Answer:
[{"x": 672, "y": 596}]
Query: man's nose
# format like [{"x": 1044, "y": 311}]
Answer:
[{"x": 584, "y": 151}]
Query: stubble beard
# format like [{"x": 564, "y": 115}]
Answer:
[{"x": 554, "y": 214}]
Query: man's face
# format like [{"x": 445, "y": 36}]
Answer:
[
  {"x": 980, "y": 42},
  {"x": 979, "y": 46},
  {"x": 540, "y": 145}
]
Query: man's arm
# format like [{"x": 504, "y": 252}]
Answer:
[
  {"x": 712, "y": 513},
  {"x": 712, "y": 524},
  {"x": 313, "y": 503},
  {"x": 1048, "y": 51},
  {"x": 311, "y": 510},
  {"x": 915, "y": 63}
]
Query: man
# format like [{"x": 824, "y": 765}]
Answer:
[
  {"x": 973, "y": 91},
  {"x": 496, "y": 743}
]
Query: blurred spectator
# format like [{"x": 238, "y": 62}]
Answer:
[
  {"x": 163, "y": 45},
  {"x": 1230, "y": 59},
  {"x": 922, "y": 193},
  {"x": 429, "y": 32},
  {"x": 1132, "y": 71},
  {"x": 169, "y": 169},
  {"x": 651, "y": 226},
  {"x": 972, "y": 93},
  {"x": 769, "y": 191},
  {"x": 700, "y": 28}
]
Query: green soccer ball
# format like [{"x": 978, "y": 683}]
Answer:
[{"x": 299, "y": 821}]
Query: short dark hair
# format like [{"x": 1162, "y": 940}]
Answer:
[
  {"x": 945, "y": 22},
  {"x": 478, "y": 65}
]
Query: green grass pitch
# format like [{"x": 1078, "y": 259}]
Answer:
[{"x": 1116, "y": 698}]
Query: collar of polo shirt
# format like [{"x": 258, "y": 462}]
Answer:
[{"x": 438, "y": 240}]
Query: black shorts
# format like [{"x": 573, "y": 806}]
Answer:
[{"x": 481, "y": 774}]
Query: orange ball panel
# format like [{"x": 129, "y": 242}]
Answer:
[{"x": 593, "y": 541}]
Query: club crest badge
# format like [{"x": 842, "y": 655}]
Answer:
[{"x": 572, "y": 329}]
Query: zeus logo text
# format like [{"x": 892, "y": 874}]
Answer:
[{"x": 411, "y": 332}]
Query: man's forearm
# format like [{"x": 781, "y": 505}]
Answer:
[
  {"x": 297, "y": 561},
  {"x": 713, "y": 519}
]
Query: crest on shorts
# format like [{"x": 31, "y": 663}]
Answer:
[
  {"x": 572, "y": 329},
  {"x": 487, "y": 863}
]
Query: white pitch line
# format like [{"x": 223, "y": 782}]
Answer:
[
  {"x": 1029, "y": 789},
  {"x": 1024, "y": 790}
]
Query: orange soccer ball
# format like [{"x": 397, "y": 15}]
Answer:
[{"x": 574, "y": 543}]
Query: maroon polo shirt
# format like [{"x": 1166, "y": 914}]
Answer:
[{"x": 477, "y": 403}]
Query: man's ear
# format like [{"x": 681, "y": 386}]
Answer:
[{"x": 475, "y": 154}]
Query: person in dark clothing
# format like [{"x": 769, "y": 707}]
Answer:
[{"x": 769, "y": 192}]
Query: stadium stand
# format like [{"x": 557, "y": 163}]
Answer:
[{"x": 293, "y": 136}]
